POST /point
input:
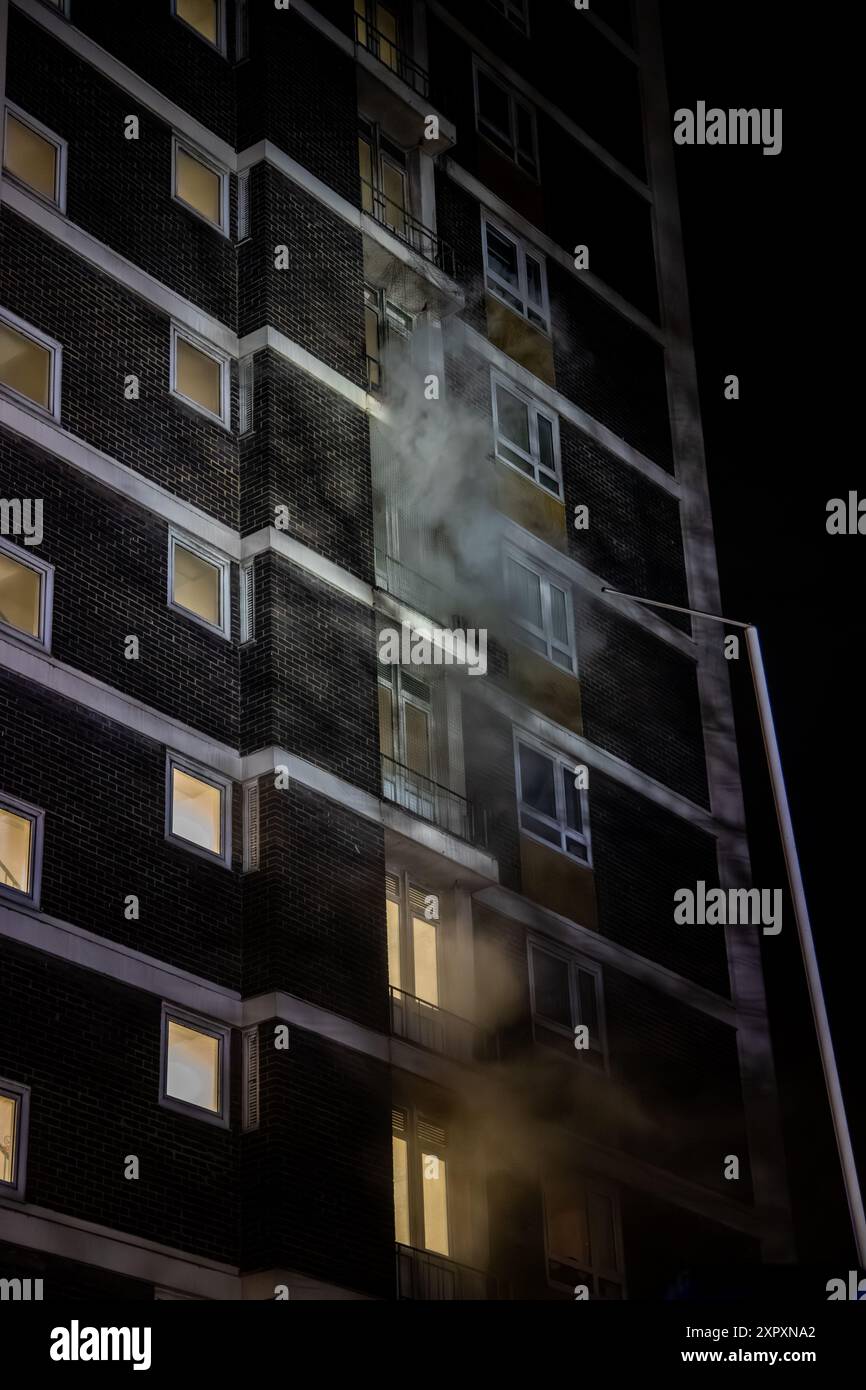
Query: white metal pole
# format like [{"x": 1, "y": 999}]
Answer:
[{"x": 807, "y": 947}]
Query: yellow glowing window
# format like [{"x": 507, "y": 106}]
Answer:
[
  {"x": 198, "y": 376},
  {"x": 8, "y": 1127},
  {"x": 197, "y": 585},
  {"x": 193, "y": 1067},
  {"x": 361, "y": 22},
  {"x": 435, "y": 1199},
  {"x": 425, "y": 960},
  {"x": 25, "y": 365},
  {"x": 199, "y": 186},
  {"x": 395, "y": 974},
  {"x": 20, "y": 596},
  {"x": 394, "y": 190},
  {"x": 401, "y": 1189},
  {"x": 28, "y": 156},
  {"x": 196, "y": 811},
  {"x": 386, "y": 38},
  {"x": 201, "y": 15},
  {"x": 16, "y": 856}
]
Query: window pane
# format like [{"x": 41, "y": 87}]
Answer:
[
  {"x": 588, "y": 1001},
  {"x": 513, "y": 417},
  {"x": 193, "y": 1069},
  {"x": 426, "y": 971},
  {"x": 395, "y": 974},
  {"x": 20, "y": 591},
  {"x": 559, "y": 614},
  {"x": 536, "y": 780},
  {"x": 551, "y": 988},
  {"x": 525, "y": 132},
  {"x": 433, "y": 1184},
  {"x": 201, "y": 15},
  {"x": 525, "y": 593},
  {"x": 545, "y": 443},
  {"x": 198, "y": 186},
  {"x": 371, "y": 327},
  {"x": 25, "y": 366},
  {"x": 493, "y": 108},
  {"x": 515, "y": 459},
  {"x": 541, "y": 829},
  {"x": 502, "y": 256},
  {"x": 197, "y": 585},
  {"x": 16, "y": 834},
  {"x": 602, "y": 1231},
  {"x": 387, "y": 36},
  {"x": 400, "y": 1152},
  {"x": 393, "y": 187},
  {"x": 30, "y": 157},
  {"x": 196, "y": 808},
  {"x": 361, "y": 21},
  {"x": 573, "y": 806},
  {"x": 417, "y": 740},
  {"x": 567, "y": 1227},
  {"x": 386, "y": 723},
  {"x": 198, "y": 377},
  {"x": 8, "y": 1108},
  {"x": 534, "y": 281}
]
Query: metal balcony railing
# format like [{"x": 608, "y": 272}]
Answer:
[
  {"x": 391, "y": 56},
  {"x": 428, "y": 1026},
  {"x": 433, "y": 803},
  {"x": 400, "y": 222},
  {"x": 422, "y": 1275}
]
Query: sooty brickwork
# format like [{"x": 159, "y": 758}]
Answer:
[
  {"x": 89, "y": 1048},
  {"x": 106, "y": 333},
  {"x": 110, "y": 561},
  {"x": 314, "y": 911},
  {"x": 102, "y": 788}
]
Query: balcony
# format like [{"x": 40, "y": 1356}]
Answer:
[
  {"x": 400, "y": 223},
  {"x": 435, "y": 1029},
  {"x": 434, "y": 803},
  {"x": 422, "y": 1275},
  {"x": 395, "y": 90}
]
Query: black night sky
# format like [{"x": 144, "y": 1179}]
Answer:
[{"x": 773, "y": 468}]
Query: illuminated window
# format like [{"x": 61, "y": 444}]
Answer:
[
  {"x": 552, "y": 809},
  {"x": 383, "y": 179},
  {"x": 205, "y": 17},
  {"x": 14, "y": 1109},
  {"x": 506, "y": 120},
  {"x": 516, "y": 274},
  {"x": 413, "y": 939},
  {"x": 388, "y": 328},
  {"x": 376, "y": 30},
  {"x": 527, "y": 435},
  {"x": 420, "y": 1183},
  {"x": 198, "y": 809},
  {"x": 566, "y": 993},
  {"x": 34, "y": 156},
  {"x": 199, "y": 583},
  {"x": 194, "y": 1070},
  {"x": 541, "y": 610},
  {"x": 200, "y": 376},
  {"x": 21, "y": 829},
  {"x": 29, "y": 364},
  {"x": 584, "y": 1240},
  {"x": 200, "y": 186},
  {"x": 26, "y": 589}
]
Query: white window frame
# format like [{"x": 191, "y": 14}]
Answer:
[
  {"x": 545, "y": 633},
  {"x": 565, "y": 768},
  {"x": 55, "y": 371},
  {"x": 60, "y": 145},
  {"x": 575, "y": 963},
  {"x": 178, "y": 142},
  {"x": 505, "y": 292},
  {"x": 14, "y": 1090},
  {"x": 220, "y": 45},
  {"x": 222, "y": 1032},
  {"x": 507, "y": 9},
  {"x": 202, "y": 345},
  {"x": 602, "y": 1189},
  {"x": 36, "y": 818},
  {"x": 212, "y": 557},
  {"x": 514, "y": 100},
  {"x": 214, "y": 779},
  {"x": 46, "y": 597},
  {"x": 533, "y": 458}
]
